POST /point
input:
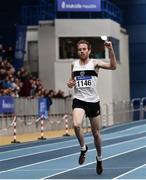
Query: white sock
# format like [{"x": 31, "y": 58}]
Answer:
[
  {"x": 99, "y": 158},
  {"x": 83, "y": 148}
]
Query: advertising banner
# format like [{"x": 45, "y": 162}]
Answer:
[
  {"x": 79, "y": 5},
  {"x": 20, "y": 46},
  {"x": 43, "y": 112},
  {"x": 6, "y": 104}
]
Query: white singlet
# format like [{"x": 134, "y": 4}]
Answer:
[{"x": 86, "y": 79}]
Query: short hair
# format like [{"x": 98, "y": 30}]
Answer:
[{"x": 84, "y": 42}]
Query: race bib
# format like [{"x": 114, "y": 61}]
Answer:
[{"x": 83, "y": 81}]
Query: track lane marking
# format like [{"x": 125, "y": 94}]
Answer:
[
  {"x": 128, "y": 172},
  {"x": 108, "y": 146},
  {"x": 38, "y": 148}
]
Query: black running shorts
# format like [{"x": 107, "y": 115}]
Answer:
[{"x": 91, "y": 109}]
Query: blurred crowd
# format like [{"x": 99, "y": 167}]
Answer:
[{"x": 21, "y": 83}]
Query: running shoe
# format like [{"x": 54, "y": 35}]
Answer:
[
  {"x": 83, "y": 156},
  {"x": 99, "y": 167}
]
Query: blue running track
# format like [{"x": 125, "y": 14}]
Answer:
[{"x": 124, "y": 156}]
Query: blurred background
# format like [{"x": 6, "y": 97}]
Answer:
[
  {"x": 38, "y": 43},
  {"x": 131, "y": 16}
]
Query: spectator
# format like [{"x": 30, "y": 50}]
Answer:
[
  {"x": 48, "y": 97},
  {"x": 10, "y": 54},
  {"x": 25, "y": 90},
  {"x": 21, "y": 83},
  {"x": 2, "y": 52},
  {"x": 60, "y": 94}
]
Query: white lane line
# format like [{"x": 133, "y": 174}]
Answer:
[
  {"x": 62, "y": 157},
  {"x": 35, "y": 147},
  {"x": 105, "y": 137},
  {"x": 126, "y": 132},
  {"x": 126, "y": 124},
  {"x": 63, "y": 147},
  {"x": 39, "y": 152},
  {"x": 110, "y": 157},
  {"x": 47, "y": 146},
  {"x": 129, "y": 172},
  {"x": 116, "y": 136},
  {"x": 130, "y": 128}
]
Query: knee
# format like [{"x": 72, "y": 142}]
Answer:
[
  {"x": 76, "y": 125},
  {"x": 96, "y": 134}
]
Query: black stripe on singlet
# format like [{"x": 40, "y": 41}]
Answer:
[{"x": 85, "y": 73}]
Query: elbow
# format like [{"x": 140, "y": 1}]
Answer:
[{"x": 114, "y": 67}]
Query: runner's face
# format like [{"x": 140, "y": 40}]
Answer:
[{"x": 83, "y": 51}]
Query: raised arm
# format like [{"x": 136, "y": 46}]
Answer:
[{"x": 112, "y": 63}]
